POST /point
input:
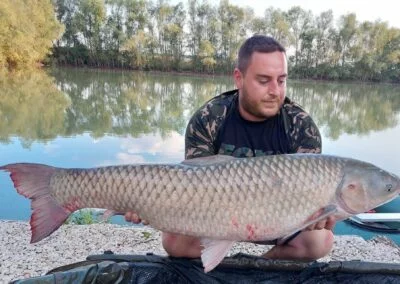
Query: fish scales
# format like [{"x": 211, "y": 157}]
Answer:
[{"x": 263, "y": 193}]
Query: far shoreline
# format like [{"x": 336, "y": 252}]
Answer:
[{"x": 210, "y": 75}]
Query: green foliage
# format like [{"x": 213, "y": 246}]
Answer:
[
  {"x": 147, "y": 35},
  {"x": 83, "y": 217},
  {"x": 146, "y": 235},
  {"x": 89, "y": 21},
  {"x": 31, "y": 106},
  {"x": 204, "y": 37},
  {"x": 27, "y": 31},
  {"x": 206, "y": 53},
  {"x": 138, "y": 50}
]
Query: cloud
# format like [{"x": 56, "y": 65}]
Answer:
[
  {"x": 124, "y": 158},
  {"x": 152, "y": 148},
  {"x": 51, "y": 148},
  {"x": 155, "y": 144}
]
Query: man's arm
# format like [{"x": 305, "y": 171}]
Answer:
[
  {"x": 198, "y": 142},
  {"x": 304, "y": 133},
  {"x": 201, "y": 131},
  {"x": 203, "y": 128},
  {"x": 309, "y": 138}
]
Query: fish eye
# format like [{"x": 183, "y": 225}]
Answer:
[{"x": 389, "y": 187}]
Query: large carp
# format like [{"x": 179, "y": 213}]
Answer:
[{"x": 219, "y": 199}]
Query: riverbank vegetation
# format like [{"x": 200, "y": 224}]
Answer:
[
  {"x": 203, "y": 37},
  {"x": 27, "y": 31}
]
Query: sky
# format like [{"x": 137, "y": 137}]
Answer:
[{"x": 366, "y": 10}]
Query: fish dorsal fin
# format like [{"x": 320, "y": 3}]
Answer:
[
  {"x": 214, "y": 252},
  {"x": 316, "y": 217},
  {"x": 209, "y": 160}
]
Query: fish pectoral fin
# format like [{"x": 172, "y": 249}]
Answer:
[
  {"x": 321, "y": 214},
  {"x": 214, "y": 252},
  {"x": 208, "y": 161}
]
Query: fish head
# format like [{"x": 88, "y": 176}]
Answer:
[{"x": 365, "y": 186}]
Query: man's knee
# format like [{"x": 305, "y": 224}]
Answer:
[
  {"x": 181, "y": 246},
  {"x": 170, "y": 242},
  {"x": 317, "y": 243}
]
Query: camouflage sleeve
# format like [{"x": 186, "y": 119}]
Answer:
[
  {"x": 198, "y": 139},
  {"x": 202, "y": 129},
  {"x": 304, "y": 133}
]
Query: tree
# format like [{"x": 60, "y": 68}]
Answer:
[
  {"x": 138, "y": 48},
  {"x": 194, "y": 28},
  {"x": 277, "y": 26},
  {"x": 136, "y": 17},
  {"x": 113, "y": 33},
  {"x": 258, "y": 26},
  {"x": 206, "y": 54},
  {"x": 347, "y": 35},
  {"x": 27, "y": 32},
  {"x": 203, "y": 26},
  {"x": 145, "y": 34},
  {"x": 167, "y": 26},
  {"x": 174, "y": 34},
  {"x": 230, "y": 19},
  {"x": 89, "y": 21},
  {"x": 323, "y": 25},
  {"x": 65, "y": 11},
  {"x": 300, "y": 22},
  {"x": 307, "y": 49},
  {"x": 377, "y": 50}
]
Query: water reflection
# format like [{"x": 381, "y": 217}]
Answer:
[
  {"x": 131, "y": 103},
  {"x": 31, "y": 107},
  {"x": 69, "y": 102},
  {"x": 349, "y": 108}
]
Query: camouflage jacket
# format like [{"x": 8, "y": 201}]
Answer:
[{"x": 204, "y": 126}]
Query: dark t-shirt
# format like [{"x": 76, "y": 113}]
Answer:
[
  {"x": 214, "y": 129},
  {"x": 242, "y": 138}
]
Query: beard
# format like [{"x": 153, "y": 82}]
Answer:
[{"x": 259, "y": 109}]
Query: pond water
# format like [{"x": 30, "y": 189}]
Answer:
[{"x": 86, "y": 118}]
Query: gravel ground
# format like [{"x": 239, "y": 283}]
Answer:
[{"x": 72, "y": 243}]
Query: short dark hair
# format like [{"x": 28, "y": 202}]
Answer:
[{"x": 256, "y": 43}]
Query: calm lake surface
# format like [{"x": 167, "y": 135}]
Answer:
[{"x": 86, "y": 118}]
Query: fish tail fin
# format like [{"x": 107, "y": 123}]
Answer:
[{"x": 33, "y": 182}]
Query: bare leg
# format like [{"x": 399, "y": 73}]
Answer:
[
  {"x": 181, "y": 246},
  {"x": 307, "y": 246}
]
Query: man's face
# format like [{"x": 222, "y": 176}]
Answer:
[{"x": 262, "y": 88}]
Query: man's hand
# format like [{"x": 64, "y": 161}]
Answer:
[
  {"x": 131, "y": 216},
  {"x": 327, "y": 224}
]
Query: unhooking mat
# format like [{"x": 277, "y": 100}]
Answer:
[{"x": 241, "y": 268}]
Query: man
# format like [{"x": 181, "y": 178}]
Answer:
[{"x": 256, "y": 119}]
